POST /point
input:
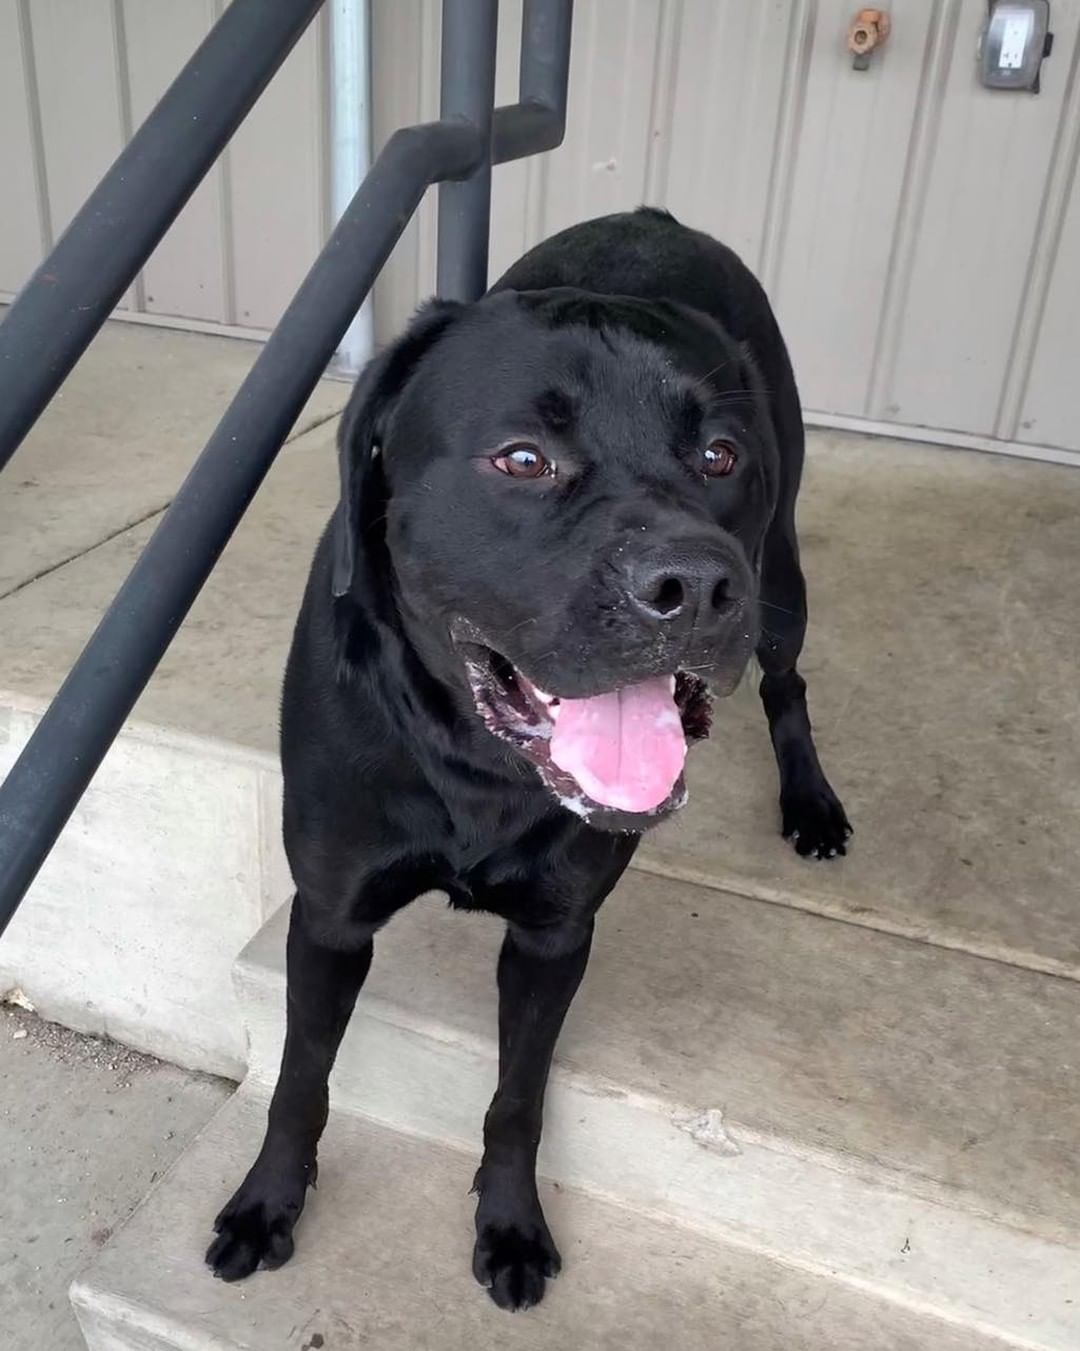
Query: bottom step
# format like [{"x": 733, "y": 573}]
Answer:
[{"x": 383, "y": 1261}]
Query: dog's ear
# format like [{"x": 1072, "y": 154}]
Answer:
[{"x": 364, "y": 423}]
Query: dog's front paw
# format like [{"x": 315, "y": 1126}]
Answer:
[
  {"x": 513, "y": 1265},
  {"x": 815, "y": 821},
  {"x": 256, "y": 1227}
]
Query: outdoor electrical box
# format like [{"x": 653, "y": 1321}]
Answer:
[{"x": 1013, "y": 44}]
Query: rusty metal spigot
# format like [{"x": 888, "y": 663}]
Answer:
[{"x": 869, "y": 29}]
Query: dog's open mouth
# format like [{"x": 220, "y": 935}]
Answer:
[{"x": 616, "y": 757}]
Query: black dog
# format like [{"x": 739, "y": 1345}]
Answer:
[{"x": 562, "y": 511}]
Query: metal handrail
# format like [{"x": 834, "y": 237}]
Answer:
[
  {"x": 70, "y": 295},
  {"x": 73, "y": 736}
]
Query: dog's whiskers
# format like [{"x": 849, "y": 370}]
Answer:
[{"x": 533, "y": 619}]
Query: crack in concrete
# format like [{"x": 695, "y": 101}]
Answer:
[
  {"x": 299, "y": 431},
  {"x": 909, "y": 932},
  {"x": 82, "y": 553}
]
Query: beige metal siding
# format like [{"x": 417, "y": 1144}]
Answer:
[
  {"x": 602, "y": 164},
  {"x": 77, "y": 75},
  {"x": 280, "y": 189},
  {"x": 82, "y": 103},
  {"x": 724, "y": 72},
  {"x": 517, "y": 188},
  {"x": 1050, "y": 413},
  {"x": 189, "y": 272},
  {"x": 916, "y": 231},
  {"x": 405, "y": 90},
  {"x": 835, "y": 216},
  {"x": 24, "y": 224},
  {"x": 976, "y": 215},
  {"x": 919, "y": 235}
]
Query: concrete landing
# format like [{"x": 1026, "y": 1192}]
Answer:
[
  {"x": 117, "y": 440},
  {"x": 940, "y": 662},
  {"x": 940, "y": 665},
  {"x": 862, "y": 1070}
]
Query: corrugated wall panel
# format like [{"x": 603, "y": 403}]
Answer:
[
  {"x": 898, "y": 216},
  {"x": 188, "y": 273},
  {"x": 404, "y": 90},
  {"x": 713, "y": 156},
  {"x": 76, "y": 76},
  {"x": 961, "y": 296},
  {"x": 1050, "y": 412},
  {"x": 918, "y": 233},
  {"x": 78, "y": 54},
  {"x": 602, "y": 164},
  {"x": 847, "y": 182},
  {"x": 279, "y": 184},
  {"x": 516, "y": 188},
  {"x": 1041, "y": 402},
  {"x": 25, "y": 230}
]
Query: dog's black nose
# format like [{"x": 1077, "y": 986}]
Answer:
[{"x": 683, "y": 591}]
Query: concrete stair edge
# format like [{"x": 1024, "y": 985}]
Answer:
[
  {"x": 149, "y": 1291},
  {"x": 828, "y": 1215}
]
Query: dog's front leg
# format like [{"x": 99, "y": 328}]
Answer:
[
  {"x": 812, "y": 816},
  {"x": 256, "y": 1227},
  {"x": 539, "y": 974}
]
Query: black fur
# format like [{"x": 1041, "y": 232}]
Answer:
[{"x": 621, "y": 348}]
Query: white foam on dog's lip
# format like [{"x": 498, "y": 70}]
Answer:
[
  {"x": 550, "y": 702},
  {"x": 578, "y": 805}
]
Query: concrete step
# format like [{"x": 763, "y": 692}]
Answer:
[
  {"x": 896, "y": 1116},
  {"x": 383, "y": 1258},
  {"x": 867, "y": 1069}
]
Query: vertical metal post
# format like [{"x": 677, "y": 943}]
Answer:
[
  {"x": 545, "y": 57},
  {"x": 350, "y": 145},
  {"x": 537, "y": 121},
  {"x": 469, "y": 31}
]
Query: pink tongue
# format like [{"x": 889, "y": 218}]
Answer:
[{"x": 625, "y": 749}]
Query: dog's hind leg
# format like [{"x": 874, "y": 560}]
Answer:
[
  {"x": 256, "y": 1227},
  {"x": 811, "y": 813},
  {"x": 538, "y": 978}
]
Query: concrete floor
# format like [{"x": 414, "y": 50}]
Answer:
[
  {"x": 941, "y": 664},
  {"x": 86, "y": 1127},
  {"x": 940, "y": 660},
  {"x": 117, "y": 440}
]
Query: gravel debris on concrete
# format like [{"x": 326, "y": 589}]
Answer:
[{"x": 87, "y": 1126}]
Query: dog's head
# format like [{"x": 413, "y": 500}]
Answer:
[{"x": 570, "y": 493}]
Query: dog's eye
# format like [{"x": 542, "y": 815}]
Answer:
[
  {"x": 720, "y": 459},
  {"x": 523, "y": 462}
]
